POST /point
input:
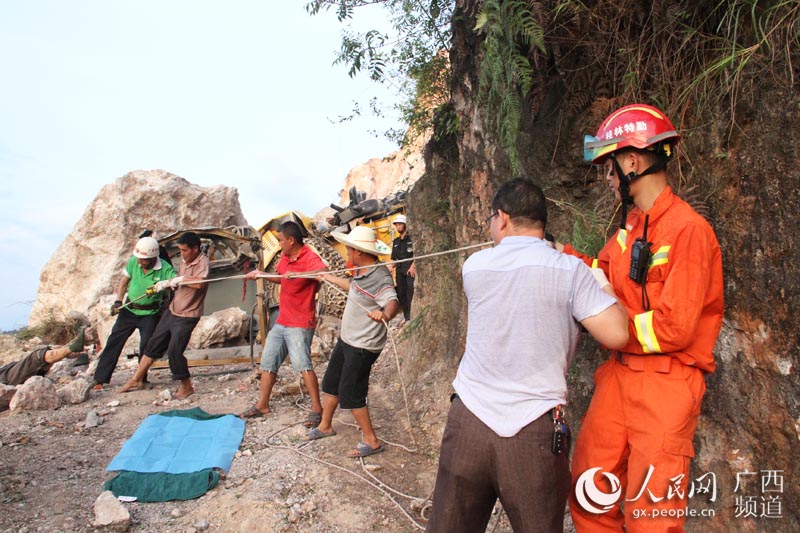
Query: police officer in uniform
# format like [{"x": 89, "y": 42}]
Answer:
[{"x": 403, "y": 248}]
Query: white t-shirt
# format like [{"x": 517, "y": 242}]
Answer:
[{"x": 525, "y": 303}]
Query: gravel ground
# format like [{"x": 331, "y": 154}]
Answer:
[{"x": 52, "y": 469}]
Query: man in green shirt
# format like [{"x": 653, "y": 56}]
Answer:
[{"x": 143, "y": 270}]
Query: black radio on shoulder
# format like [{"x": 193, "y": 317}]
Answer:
[
  {"x": 640, "y": 260},
  {"x": 641, "y": 254}
]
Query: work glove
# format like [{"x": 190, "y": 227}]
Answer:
[
  {"x": 174, "y": 282},
  {"x": 600, "y": 276},
  {"x": 158, "y": 287},
  {"x": 115, "y": 307}
]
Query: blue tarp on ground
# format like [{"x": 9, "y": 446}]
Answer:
[{"x": 181, "y": 442}]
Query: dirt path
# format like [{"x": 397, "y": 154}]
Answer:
[{"x": 52, "y": 469}]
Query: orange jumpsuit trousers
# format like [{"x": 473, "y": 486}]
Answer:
[{"x": 641, "y": 420}]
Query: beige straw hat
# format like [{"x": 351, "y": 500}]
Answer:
[{"x": 364, "y": 239}]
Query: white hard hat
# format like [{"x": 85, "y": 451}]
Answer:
[
  {"x": 146, "y": 248},
  {"x": 399, "y": 219}
]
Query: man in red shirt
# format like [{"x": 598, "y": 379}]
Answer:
[{"x": 294, "y": 328}]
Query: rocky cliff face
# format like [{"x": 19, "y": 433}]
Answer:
[
  {"x": 746, "y": 180},
  {"x": 382, "y": 176},
  {"x": 89, "y": 262}
]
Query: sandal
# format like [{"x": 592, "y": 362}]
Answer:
[
  {"x": 312, "y": 420},
  {"x": 363, "y": 449},
  {"x": 316, "y": 434},
  {"x": 252, "y": 412}
]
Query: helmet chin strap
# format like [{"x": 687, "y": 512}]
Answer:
[
  {"x": 624, "y": 189},
  {"x": 625, "y": 181}
]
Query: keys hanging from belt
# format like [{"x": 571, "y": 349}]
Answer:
[{"x": 560, "y": 431}]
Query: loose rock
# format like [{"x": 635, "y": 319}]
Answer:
[
  {"x": 36, "y": 394},
  {"x": 93, "y": 419},
  {"x": 6, "y": 393},
  {"x": 110, "y": 514},
  {"x": 75, "y": 392}
]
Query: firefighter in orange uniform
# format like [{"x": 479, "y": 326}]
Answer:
[{"x": 631, "y": 461}]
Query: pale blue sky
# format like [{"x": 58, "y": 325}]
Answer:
[{"x": 238, "y": 93}]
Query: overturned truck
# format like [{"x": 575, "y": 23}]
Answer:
[{"x": 234, "y": 251}]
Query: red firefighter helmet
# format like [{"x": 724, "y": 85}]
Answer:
[{"x": 633, "y": 126}]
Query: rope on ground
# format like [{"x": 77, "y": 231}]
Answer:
[
  {"x": 385, "y": 491},
  {"x": 387, "y": 487},
  {"x": 424, "y": 503},
  {"x": 378, "y": 484},
  {"x": 350, "y": 424},
  {"x": 427, "y": 506}
]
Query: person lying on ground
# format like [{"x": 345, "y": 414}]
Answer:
[{"x": 39, "y": 361}]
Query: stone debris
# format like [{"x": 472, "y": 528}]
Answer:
[
  {"x": 291, "y": 387},
  {"x": 328, "y": 332},
  {"x": 93, "y": 420},
  {"x": 221, "y": 326},
  {"x": 36, "y": 394},
  {"x": 318, "y": 350},
  {"x": 165, "y": 395},
  {"x": 110, "y": 514},
  {"x": 299, "y": 509},
  {"x": 6, "y": 393},
  {"x": 75, "y": 392},
  {"x": 61, "y": 371}
]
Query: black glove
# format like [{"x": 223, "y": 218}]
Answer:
[{"x": 116, "y": 307}]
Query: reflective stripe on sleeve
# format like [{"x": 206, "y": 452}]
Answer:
[
  {"x": 661, "y": 257},
  {"x": 622, "y": 236},
  {"x": 645, "y": 333}
]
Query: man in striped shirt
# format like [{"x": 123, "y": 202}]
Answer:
[{"x": 371, "y": 303}]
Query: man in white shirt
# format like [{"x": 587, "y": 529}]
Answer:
[{"x": 526, "y": 303}]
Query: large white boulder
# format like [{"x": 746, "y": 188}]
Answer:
[{"x": 88, "y": 264}]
